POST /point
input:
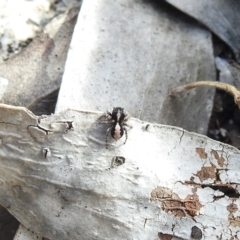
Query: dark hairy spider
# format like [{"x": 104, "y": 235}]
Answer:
[{"x": 118, "y": 117}]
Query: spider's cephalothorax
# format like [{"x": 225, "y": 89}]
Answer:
[{"x": 118, "y": 117}]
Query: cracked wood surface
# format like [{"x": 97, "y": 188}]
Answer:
[{"x": 73, "y": 192}]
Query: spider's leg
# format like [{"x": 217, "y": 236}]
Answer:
[
  {"x": 108, "y": 118},
  {"x": 125, "y": 124},
  {"x": 126, "y": 133},
  {"x": 108, "y": 114},
  {"x": 108, "y": 130},
  {"x": 126, "y": 118},
  {"x": 105, "y": 121}
]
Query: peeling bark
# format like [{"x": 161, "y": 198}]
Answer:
[{"x": 76, "y": 193}]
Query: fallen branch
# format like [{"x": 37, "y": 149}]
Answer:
[{"x": 222, "y": 86}]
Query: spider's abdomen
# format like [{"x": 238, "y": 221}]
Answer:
[{"x": 117, "y": 131}]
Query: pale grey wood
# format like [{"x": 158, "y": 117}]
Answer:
[
  {"x": 72, "y": 192},
  {"x": 131, "y": 54}
]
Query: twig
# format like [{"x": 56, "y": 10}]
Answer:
[{"x": 223, "y": 86}]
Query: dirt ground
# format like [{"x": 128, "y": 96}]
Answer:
[{"x": 224, "y": 124}]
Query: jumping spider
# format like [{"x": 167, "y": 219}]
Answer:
[{"x": 118, "y": 117}]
